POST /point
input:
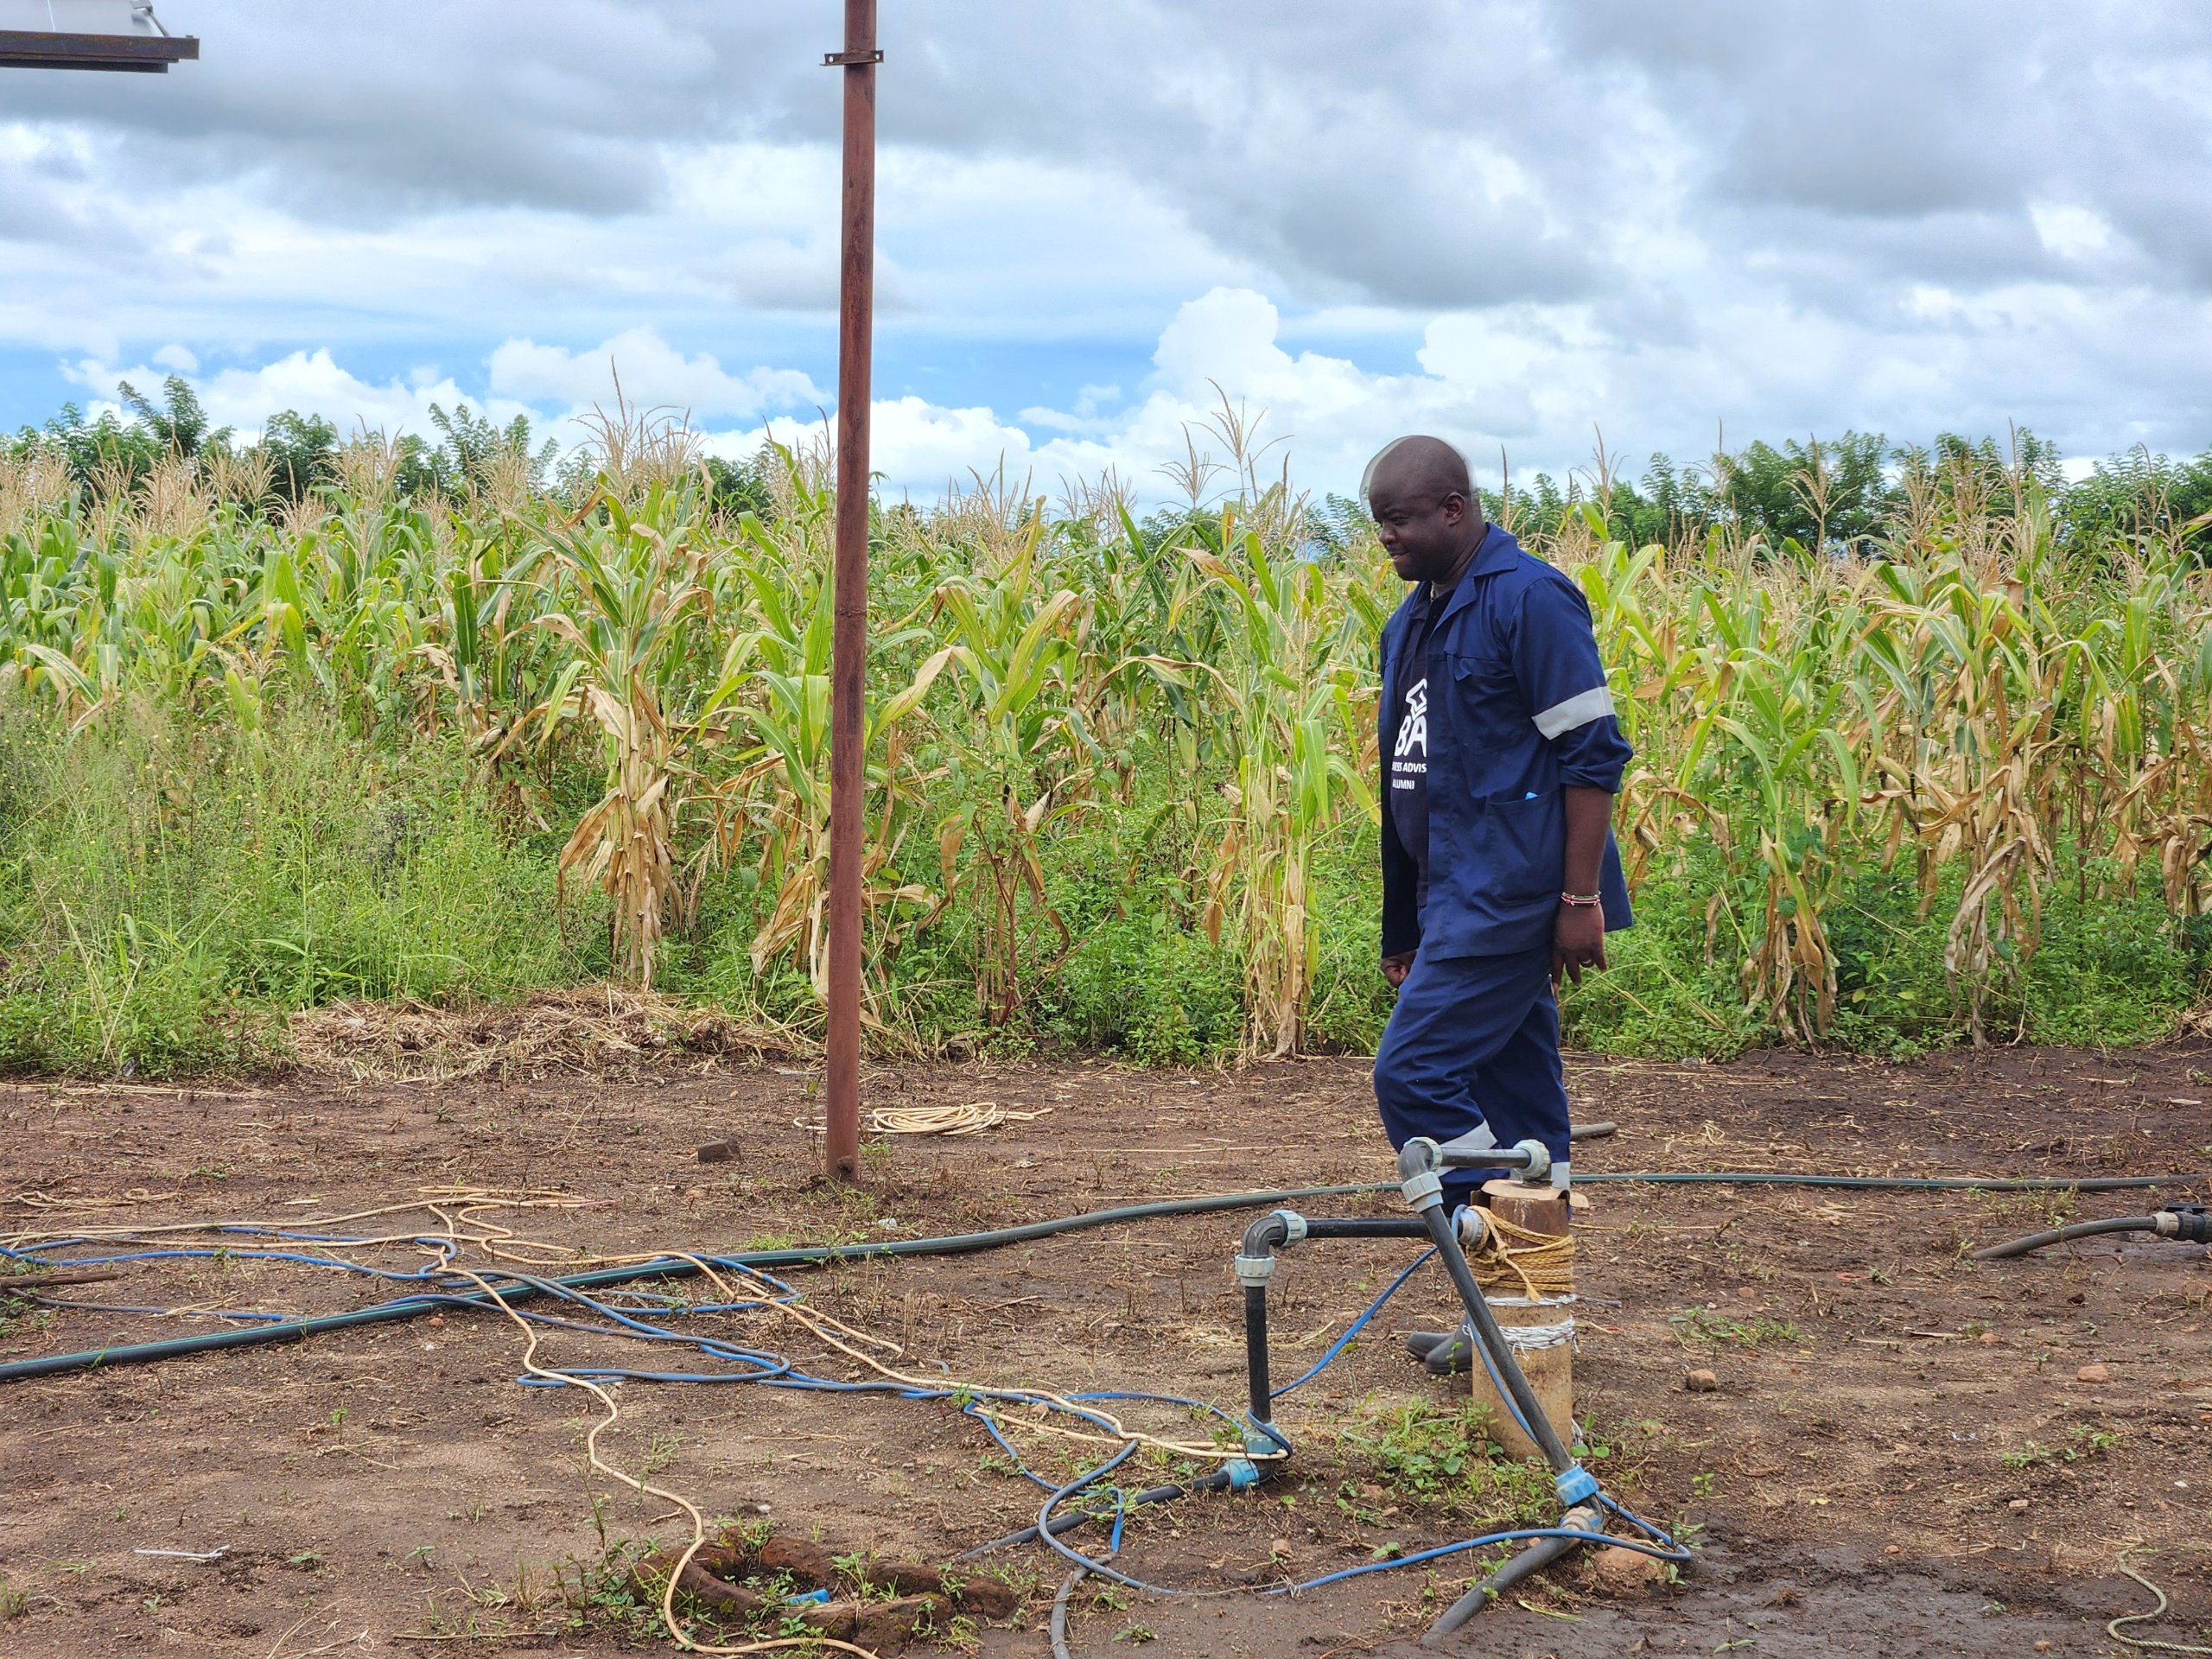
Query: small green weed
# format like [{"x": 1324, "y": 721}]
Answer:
[
  {"x": 2082, "y": 1440},
  {"x": 1432, "y": 1454},
  {"x": 603, "y": 1593},
  {"x": 1711, "y": 1325}
]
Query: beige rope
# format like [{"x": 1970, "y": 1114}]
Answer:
[
  {"x": 683, "y": 1638},
  {"x": 2113, "y": 1630},
  {"x": 1516, "y": 1260},
  {"x": 971, "y": 1119}
]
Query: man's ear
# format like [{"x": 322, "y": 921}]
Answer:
[{"x": 1455, "y": 507}]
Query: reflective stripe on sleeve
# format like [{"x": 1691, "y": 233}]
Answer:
[{"x": 1577, "y": 710}]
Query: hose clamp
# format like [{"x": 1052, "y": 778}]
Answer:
[
  {"x": 1253, "y": 1272},
  {"x": 1294, "y": 1227},
  {"x": 1575, "y": 1484},
  {"x": 1538, "y": 1170},
  {"x": 1424, "y": 1190}
]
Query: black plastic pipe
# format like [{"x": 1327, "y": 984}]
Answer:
[
  {"x": 799, "y": 1256},
  {"x": 1540, "y": 1554},
  {"x": 2191, "y": 1223},
  {"x": 1255, "y": 1264},
  {"x": 1058, "y": 1630},
  {"x": 1487, "y": 1158},
  {"x": 961, "y": 1243},
  {"x": 1532, "y": 1412},
  {"x": 1893, "y": 1183},
  {"x": 1417, "y": 1165},
  {"x": 1256, "y": 1352},
  {"x": 1367, "y": 1227}
]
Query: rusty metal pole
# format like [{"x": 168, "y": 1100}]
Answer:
[{"x": 848, "y": 637}]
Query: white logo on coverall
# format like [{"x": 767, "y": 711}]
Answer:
[{"x": 1410, "y": 758}]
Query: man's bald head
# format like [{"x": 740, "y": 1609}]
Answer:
[
  {"x": 1426, "y": 509},
  {"x": 1417, "y": 465}
]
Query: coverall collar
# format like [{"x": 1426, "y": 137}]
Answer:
[{"x": 1495, "y": 554}]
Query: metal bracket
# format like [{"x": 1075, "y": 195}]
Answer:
[{"x": 851, "y": 59}]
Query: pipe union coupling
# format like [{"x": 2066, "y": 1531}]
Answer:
[
  {"x": 2192, "y": 1222},
  {"x": 1294, "y": 1227},
  {"x": 1424, "y": 1190},
  {"x": 1538, "y": 1170},
  {"x": 1253, "y": 1272}
]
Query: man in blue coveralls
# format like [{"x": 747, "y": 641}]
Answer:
[{"x": 1501, "y": 757}]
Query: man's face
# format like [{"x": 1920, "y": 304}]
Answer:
[{"x": 1422, "y": 531}]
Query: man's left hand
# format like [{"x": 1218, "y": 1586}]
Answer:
[{"x": 1578, "y": 941}]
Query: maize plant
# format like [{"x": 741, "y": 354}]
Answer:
[
  {"x": 773, "y": 686},
  {"x": 631, "y": 595},
  {"x": 1018, "y": 756},
  {"x": 1286, "y": 682}
]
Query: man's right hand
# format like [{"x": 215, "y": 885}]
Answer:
[{"x": 1394, "y": 969}]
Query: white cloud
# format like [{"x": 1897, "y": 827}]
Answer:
[
  {"x": 2070, "y": 231},
  {"x": 1524, "y": 386},
  {"x": 309, "y": 382},
  {"x": 652, "y": 374}
]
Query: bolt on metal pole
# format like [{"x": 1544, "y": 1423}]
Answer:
[{"x": 848, "y": 637}]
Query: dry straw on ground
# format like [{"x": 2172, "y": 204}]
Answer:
[{"x": 591, "y": 1030}]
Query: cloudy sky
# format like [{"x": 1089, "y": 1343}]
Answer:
[{"x": 1515, "y": 224}]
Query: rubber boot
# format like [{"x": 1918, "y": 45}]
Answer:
[{"x": 1444, "y": 1353}]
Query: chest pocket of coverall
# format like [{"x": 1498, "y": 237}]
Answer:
[{"x": 1519, "y": 845}]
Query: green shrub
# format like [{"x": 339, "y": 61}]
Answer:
[{"x": 1143, "y": 987}]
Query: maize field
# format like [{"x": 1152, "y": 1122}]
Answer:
[{"x": 1114, "y": 765}]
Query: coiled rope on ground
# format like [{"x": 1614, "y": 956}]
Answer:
[{"x": 972, "y": 1118}]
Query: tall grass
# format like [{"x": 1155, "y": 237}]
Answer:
[
  {"x": 166, "y": 888},
  {"x": 1944, "y": 779}
]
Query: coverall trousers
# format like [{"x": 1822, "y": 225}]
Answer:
[{"x": 1471, "y": 1059}]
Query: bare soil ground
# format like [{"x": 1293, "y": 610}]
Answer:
[{"x": 1901, "y": 1457}]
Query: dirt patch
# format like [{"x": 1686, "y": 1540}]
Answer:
[{"x": 1899, "y": 1456}]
